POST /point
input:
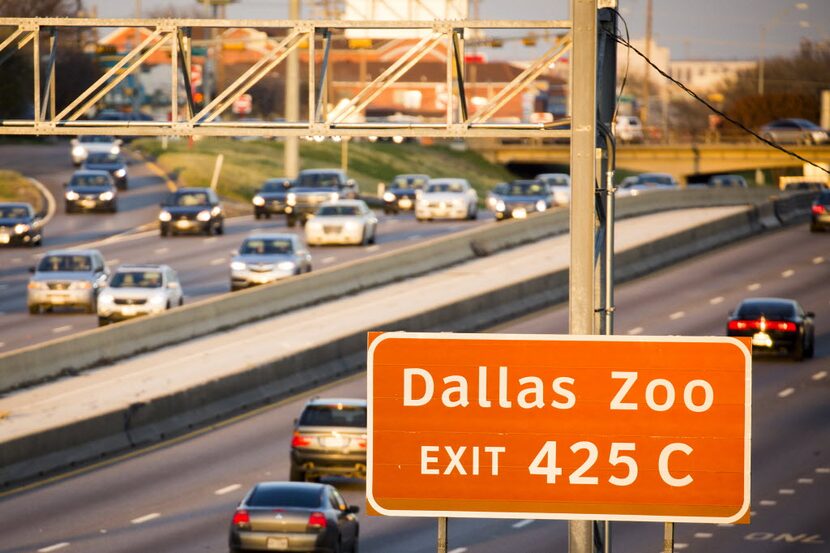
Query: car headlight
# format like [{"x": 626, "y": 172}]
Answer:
[
  {"x": 258, "y": 200},
  {"x": 491, "y": 202},
  {"x": 216, "y": 211},
  {"x": 334, "y": 196},
  {"x": 121, "y": 173},
  {"x": 203, "y": 216},
  {"x": 388, "y": 197},
  {"x": 71, "y": 195},
  {"x": 36, "y": 285},
  {"x": 157, "y": 300},
  {"x": 78, "y": 151},
  {"x": 105, "y": 298},
  {"x": 80, "y": 285},
  {"x": 115, "y": 150},
  {"x": 541, "y": 205},
  {"x": 238, "y": 266},
  {"x": 500, "y": 205},
  {"x": 397, "y": 139},
  {"x": 286, "y": 266},
  {"x": 291, "y": 198},
  {"x": 106, "y": 196},
  {"x": 352, "y": 225},
  {"x": 20, "y": 228},
  {"x": 165, "y": 216}
]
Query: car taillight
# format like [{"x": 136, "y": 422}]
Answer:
[
  {"x": 818, "y": 209},
  {"x": 241, "y": 518},
  {"x": 299, "y": 440},
  {"x": 316, "y": 520},
  {"x": 361, "y": 444},
  {"x": 744, "y": 325},
  {"x": 782, "y": 326}
]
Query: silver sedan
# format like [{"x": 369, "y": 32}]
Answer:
[{"x": 265, "y": 258}]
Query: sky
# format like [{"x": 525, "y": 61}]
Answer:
[{"x": 691, "y": 29}]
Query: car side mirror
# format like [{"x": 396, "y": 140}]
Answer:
[{"x": 353, "y": 509}]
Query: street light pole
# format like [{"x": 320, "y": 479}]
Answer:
[{"x": 291, "y": 159}]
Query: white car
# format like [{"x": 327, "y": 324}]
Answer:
[
  {"x": 447, "y": 199},
  {"x": 342, "y": 222},
  {"x": 135, "y": 290},
  {"x": 560, "y": 185},
  {"x": 628, "y": 128},
  {"x": 92, "y": 144}
]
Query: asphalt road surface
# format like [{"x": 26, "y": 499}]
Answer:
[
  {"x": 179, "y": 497},
  {"x": 131, "y": 236}
]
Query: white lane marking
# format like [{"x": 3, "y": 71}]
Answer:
[
  {"x": 373, "y": 248},
  {"x": 210, "y": 240},
  {"x": 677, "y": 315},
  {"x": 681, "y": 545},
  {"x": 819, "y": 375},
  {"x": 716, "y": 300},
  {"x": 823, "y": 470},
  {"x": 703, "y": 535},
  {"x": 458, "y": 550},
  {"x": 218, "y": 261},
  {"x": 330, "y": 259},
  {"x": 162, "y": 250},
  {"x": 754, "y": 286},
  {"x": 786, "y": 392},
  {"x": 227, "y": 489},
  {"x": 523, "y": 523},
  {"x": 786, "y": 491},
  {"x": 53, "y": 547},
  {"x": 768, "y": 502},
  {"x": 636, "y": 330},
  {"x": 818, "y": 260},
  {"x": 751, "y": 513},
  {"x": 63, "y": 328},
  {"x": 805, "y": 480},
  {"x": 145, "y": 518},
  {"x": 788, "y": 273}
]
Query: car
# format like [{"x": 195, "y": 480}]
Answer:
[
  {"x": 522, "y": 197},
  {"x": 774, "y": 324},
  {"x": 264, "y": 258},
  {"x": 294, "y": 516},
  {"x": 90, "y": 190},
  {"x": 400, "y": 195},
  {"x": 270, "y": 198},
  {"x": 560, "y": 184},
  {"x": 20, "y": 225},
  {"x": 313, "y": 187},
  {"x": 67, "y": 278},
  {"x": 819, "y": 212},
  {"x": 447, "y": 198},
  {"x": 628, "y": 128},
  {"x": 794, "y": 131},
  {"x": 114, "y": 164},
  {"x": 135, "y": 290},
  {"x": 88, "y": 144},
  {"x": 329, "y": 439},
  {"x": 647, "y": 182},
  {"x": 191, "y": 210},
  {"x": 726, "y": 181},
  {"x": 342, "y": 222}
]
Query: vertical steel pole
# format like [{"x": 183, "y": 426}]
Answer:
[
  {"x": 36, "y": 71},
  {"x": 292, "y": 100},
  {"x": 442, "y": 535},
  {"x": 583, "y": 177},
  {"x": 53, "y": 37},
  {"x": 174, "y": 76},
  {"x": 668, "y": 537}
]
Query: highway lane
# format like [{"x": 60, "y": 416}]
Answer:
[
  {"x": 179, "y": 497},
  {"x": 202, "y": 263}
]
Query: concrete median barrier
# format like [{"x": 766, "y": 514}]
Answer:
[{"x": 81, "y": 351}]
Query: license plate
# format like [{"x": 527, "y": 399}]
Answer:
[
  {"x": 128, "y": 311},
  {"x": 262, "y": 279},
  {"x": 520, "y": 213},
  {"x": 762, "y": 339},
  {"x": 88, "y": 203},
  {"x": 405, "y": 203},
  {"x": 183, "y": 224},
  {"x": 4, "y": 238},
  {"x": 334, "y": 441},
  {"x": 57, "y": 300},
  {"x": 277, "y": 544}
]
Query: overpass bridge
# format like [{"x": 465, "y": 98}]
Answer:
[{"x": 681, "y": 160}]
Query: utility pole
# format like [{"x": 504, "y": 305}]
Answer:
[
  {"x": 291, "y": 161},
  {"x": 646, "y": 66},
  {"x": 583, "y": 177}
]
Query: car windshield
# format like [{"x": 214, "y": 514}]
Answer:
[
  {"x": 333, "y": 415},
  {"x": 318, "y": 180},
  {"x": 525, "y": 189},
  {"x": 445, "y": 187},
  {"x": 767, "y": 309},
  {"x": 96, "y": 139},
  {"x": 264, "y": 246},
  {"x": 655, "y": 179},
  {"x": 55, "y": 263},
  {"x": 286, "y": 496},
  {"x": 136, "y": 279},
  {"x": 409, "y": 182},
  {"x": 14, "y": 212},
  {"x": 276, "y": 185},
  {"x": 103, "y": 158},
  {"x": 805, "y": 124},
  {"x": 557, "y": 180},
  {"x": 189, "y": 199},
  {"x": 338, "y": 210},
  {"x": 90, "y": 180}
]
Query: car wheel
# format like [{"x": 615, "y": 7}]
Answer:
[
  {"x": 798, "y": 353},
  {"x": 296, "y": 474},
  {"x": 164, "y": 232},
  {"x": 373, "y": 239},
  {"x": 34, "y": 309},
  {"x": 181, "y": 302},
  {"x": 103, "y": 321},
  {"x": 220, "y": 229},
  {"x": 69, "y": 208}
]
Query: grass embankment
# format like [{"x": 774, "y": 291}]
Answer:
[
  {"x": 247, "y": 164},
  {"x": 14, "y": 187}
]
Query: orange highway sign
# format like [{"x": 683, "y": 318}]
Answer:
[{"x": 559, "y": 427}]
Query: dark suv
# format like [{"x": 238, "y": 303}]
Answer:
[
  {"x": 192, "y": 210},
  {"x": 329, "y": 439},
  {"x": 313, "y": 187}
]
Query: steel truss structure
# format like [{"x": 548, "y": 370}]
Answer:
[{"x": 175, "y": 34}]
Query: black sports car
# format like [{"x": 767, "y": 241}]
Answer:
[{"x": 774, "y": 324}]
